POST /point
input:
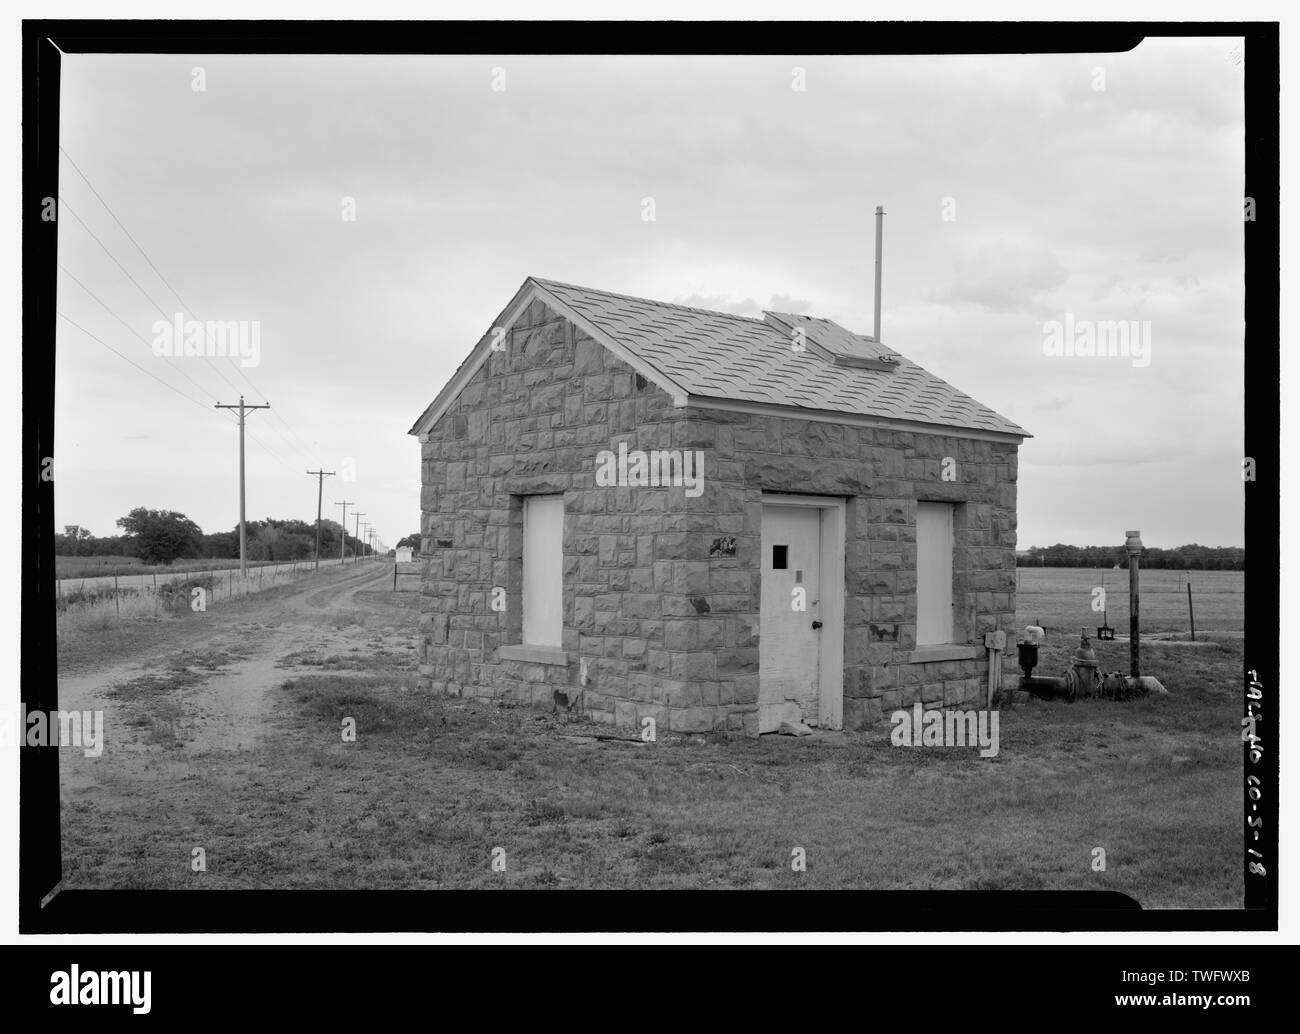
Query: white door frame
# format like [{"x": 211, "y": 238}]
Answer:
[{"x": 830, "y": 703}]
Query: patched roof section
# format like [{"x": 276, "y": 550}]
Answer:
[{"x": 724, "y": 356}]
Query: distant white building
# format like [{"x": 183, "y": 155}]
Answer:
[{"x": 404, "y": 554}]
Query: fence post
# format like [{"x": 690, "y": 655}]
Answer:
[
  {"x": 394, "y": 576},
  {"x": 1191, "y": 618},
  {"x": 117, "y": 606}
]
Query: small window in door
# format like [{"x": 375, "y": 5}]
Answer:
[{"x": 780, "y": 558}]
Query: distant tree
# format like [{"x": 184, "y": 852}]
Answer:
[
  {"x": 221, "y": 545},
  {"x": 161, "y": 536},
  {"x": 74, "y": 534},
  {"x": 412, "y": 540}
]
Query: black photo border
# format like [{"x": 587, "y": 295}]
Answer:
[{"x": 44, "y": 908}]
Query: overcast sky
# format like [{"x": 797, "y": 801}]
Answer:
[{"x": 1122, "y": 203}]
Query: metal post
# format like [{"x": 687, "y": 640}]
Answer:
[
  {"x": 1191, "y": 617},
  {"x": 1133, "y": 546},
  {"x": 880, "y": 233}
]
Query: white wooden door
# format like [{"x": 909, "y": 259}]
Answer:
[{"x": 789, "y": 644}]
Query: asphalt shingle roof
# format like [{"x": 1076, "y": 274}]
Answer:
[{"x": 725, "y": 356}]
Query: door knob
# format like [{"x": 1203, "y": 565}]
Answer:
[{"x": 817, "y": 624}]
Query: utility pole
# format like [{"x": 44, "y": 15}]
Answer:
[
  {"x": 320, "y": 476},
  {"x": 243, "y": 563},
  {"x": 357, "y": 534},
  {"x": 343, "y": 547}
]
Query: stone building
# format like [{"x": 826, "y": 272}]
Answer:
[{"x": 634, "y": 508}]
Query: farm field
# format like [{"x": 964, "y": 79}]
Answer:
[
  {"x": 99, "y": 566},
  {"x": 223, "y": 731},
  {"x": 1062, "y": 598},
  {"x": 77, "y": 573}
]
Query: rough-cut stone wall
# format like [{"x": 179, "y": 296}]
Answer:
[
  {"x": 884, "y": 474},
  {"x": 661, "y": 589},
  {"x": 532, "y": 421}
]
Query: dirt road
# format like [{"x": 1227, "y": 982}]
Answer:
[{"x": 203, "y": 683}]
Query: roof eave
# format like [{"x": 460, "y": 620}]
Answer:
[{"x": 856, "y": 419}]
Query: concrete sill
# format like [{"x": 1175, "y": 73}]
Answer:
[
  {"x": 532, "y": 654},
  {"x": 922, "y": 654}
]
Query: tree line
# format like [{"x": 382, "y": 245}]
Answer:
[
  {"x": 1191, "y": 557},
  {"x": 161, "y": 536}
]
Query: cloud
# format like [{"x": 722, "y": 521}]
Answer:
[
  {"x": 1002, "y": 277},
  {"x": 1050, "y": 405},
  {"x": 720, "y": 303},
  {"x": 789, "y": 303}
]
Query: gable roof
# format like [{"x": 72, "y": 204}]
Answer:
[{"x": 720, "y": 360}]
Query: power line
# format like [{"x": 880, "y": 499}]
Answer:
[
  {"x": 147, "y": 373},
  {"x": 126, "y": 272},
  {"x": 64, "y": 204},
  {"x": 300, "y": 444},
  {"x": 107, "y": 309},
  {"x": 132, "y": 330},
  {"x": 110, "y": 211},
  {"x": 169, "y": 387},
  {"x": 285, "y": 463}
]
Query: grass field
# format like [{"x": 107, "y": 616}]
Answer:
[
  {"x": 98, "y": 566},
  {"x": 1062, "y": 598},
  {"x": 432, "y": 786}
]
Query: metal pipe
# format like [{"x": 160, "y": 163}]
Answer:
[
  {"x": 1146, "y": 684},
  {"x": 1044, "y": 684},
  {"x": 880, "y": 232}
]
